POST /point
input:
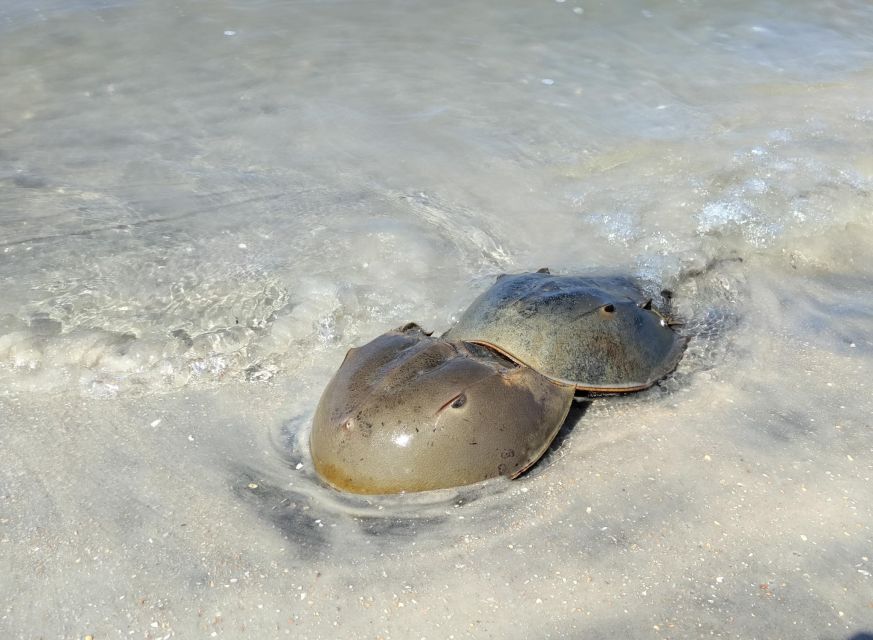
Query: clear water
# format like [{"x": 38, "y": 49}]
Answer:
[{"x": 203, "y": 205}]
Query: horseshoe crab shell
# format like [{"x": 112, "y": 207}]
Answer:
[
  {"x": 408, "y": 412},
  {"x": 599, "y": 334}
]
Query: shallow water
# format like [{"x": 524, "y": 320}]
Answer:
[{"x": 204, "y": 205}]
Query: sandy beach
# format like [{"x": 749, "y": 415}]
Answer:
[{"x": 204, "y": 206}]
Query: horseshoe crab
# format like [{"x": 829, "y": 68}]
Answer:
[
  {"x": 599, "y": 334},
  {"x": 409, "y": 412}
]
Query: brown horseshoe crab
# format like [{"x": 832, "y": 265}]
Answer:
[
  {"x": 408, "y": 412},
  {"x": 599, "y": 334}
]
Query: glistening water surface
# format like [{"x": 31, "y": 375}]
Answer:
[{"x": 203, "y": 205}]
